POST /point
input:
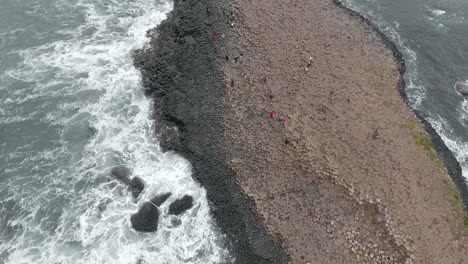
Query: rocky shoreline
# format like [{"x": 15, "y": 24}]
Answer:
[
  {"x": 347, "y": 130},
  {"x": 186, "y": 71},
  {"x": 181, "y": 74},
  {"x": 444, "y": 153}
]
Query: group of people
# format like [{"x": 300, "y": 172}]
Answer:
[
  {"x": 282, "y": 118},
  {"x": 272, "y": 114}
]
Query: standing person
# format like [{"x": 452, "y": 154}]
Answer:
[
  {"x": 309, "y": 63},
  {"x": 283, "y": 119},
  {"x": 272, "y": 114}
]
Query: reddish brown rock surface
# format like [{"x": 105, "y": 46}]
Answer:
[{"x": 347, "y": 178}]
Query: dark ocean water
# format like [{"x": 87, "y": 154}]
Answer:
[
  {"x": 72, "y": 107},
  {"x": 433, "y": 37}
]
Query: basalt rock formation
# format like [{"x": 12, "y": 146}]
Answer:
[
  {"x": 181, "y": 74},
  {"x": 181, "y": 205},
  {"x": 462, "y": 88},
  {"x": 146, "y": 219}
]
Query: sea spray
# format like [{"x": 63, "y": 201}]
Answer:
[{"x": 72, "y": 108}]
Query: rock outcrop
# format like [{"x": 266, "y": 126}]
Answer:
[
  {"x": 146, "y": 219},
  {"x": 181, "y": 205},
  {"x": 462, "y": 88},
  {"x": 136, "y": 186},
  {"x": 180, "y": 73},
  {"x": 121, "y": 173}
]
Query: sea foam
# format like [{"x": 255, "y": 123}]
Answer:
[{"x": 87, "y": 96}]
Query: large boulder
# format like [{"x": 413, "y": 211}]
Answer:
[
  {"x": 462, "y": 88},
  {"x": 121, "y": 173},
  {"x": 160, "y": 199},
  {"x": 181, "y": 205},
  {"x": 136, "y": 186},
  {"x": 146, "y": 219}
]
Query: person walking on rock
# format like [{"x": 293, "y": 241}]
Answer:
[
  {"x": 309, "y": 63},
  {"x": 283, "y": 119}
]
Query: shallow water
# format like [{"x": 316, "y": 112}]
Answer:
[
  {"x": 433, "y": 37},
  {"x": 71, "y": 108}
]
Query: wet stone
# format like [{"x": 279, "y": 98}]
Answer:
[
  {"x": 181, "y": 205},
  {"x": 146, "y": 219},
  {"x": 136, "y": 186},
  {"x": 176, "y": 222},
  {"x": 121, "y": 173},
  {"x": 462, "y": 88}
]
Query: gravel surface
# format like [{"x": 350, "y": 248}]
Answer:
[{"x": 350, "y": 176}]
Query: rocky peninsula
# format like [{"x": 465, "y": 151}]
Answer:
[{"x": 318, "y": 163}]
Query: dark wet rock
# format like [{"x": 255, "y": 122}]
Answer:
[
  {"x": 136, "y": 186},
  {"x": 462, "y": 88},
  {"x": 160, "y": 199},
  {"x": 146, "y": 219},
  {"x": 181, "y": 205},
  {"x": 176, "y": 222},
  {"x": 121, "y": 173},
  {"x": 187, "y": 90}
]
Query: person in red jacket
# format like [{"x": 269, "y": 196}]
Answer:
[{"x": 309, "y": 63}]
